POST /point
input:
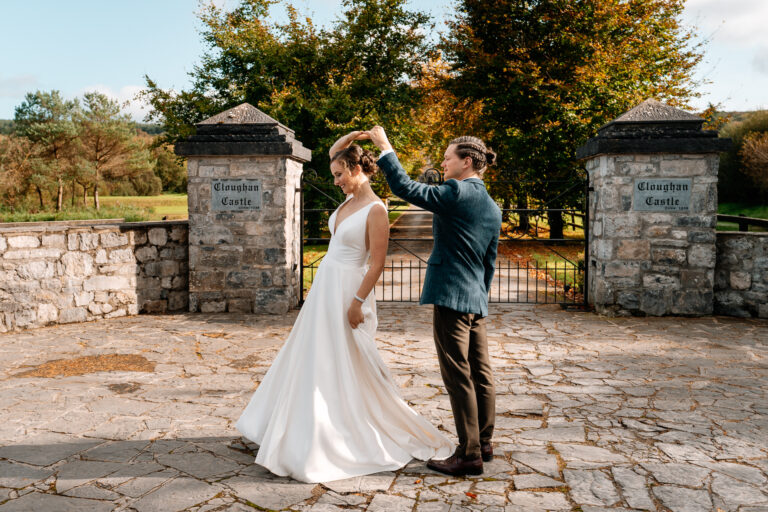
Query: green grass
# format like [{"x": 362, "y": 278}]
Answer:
[
  {"x": 127, "y": 212},
  {"x": 749, "y": 210},
  {"x": 393, "y": 216},
  {"x": 171, "y": 206},
  {"x": 130, "y": 208},
  {"x": 312, "y": 256},
  {"x": 559, "y": 269}
]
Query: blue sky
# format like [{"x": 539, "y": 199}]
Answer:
[{"x": 106, "y": 45}]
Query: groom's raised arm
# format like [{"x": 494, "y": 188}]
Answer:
[{"x": 437, "y": 199}]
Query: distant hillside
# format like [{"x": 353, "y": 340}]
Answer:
[
  {"x": 152, "y": 129},
  {"x": 736, "y": 117},
  {"x": 6, "y": 127}
]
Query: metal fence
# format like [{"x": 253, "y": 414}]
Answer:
[{"x": 516, "y": 279}]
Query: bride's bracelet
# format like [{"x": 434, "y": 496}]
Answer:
[{"x": 358, "y": 298}]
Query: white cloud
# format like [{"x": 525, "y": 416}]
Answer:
[
  {"x": 737, "y": 22},
  {"x": 126, "y": 96},
  {"x": 16, "y": 86}
]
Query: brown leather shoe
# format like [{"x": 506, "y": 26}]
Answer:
[
  {"x": 457, "y": 466},
  {"x": 486, "y": 450}
]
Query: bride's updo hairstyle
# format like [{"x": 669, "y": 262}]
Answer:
[
  {"x": 355, "y": 155},
  {"x": 474, "y": 148}
]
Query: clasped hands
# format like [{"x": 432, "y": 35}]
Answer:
[{"x": 375, "y": 135}]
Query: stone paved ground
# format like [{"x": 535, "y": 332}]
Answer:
[{"x": 594, "y": 414}]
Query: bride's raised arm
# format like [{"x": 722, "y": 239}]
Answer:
[{"x": 345, "y": 140}]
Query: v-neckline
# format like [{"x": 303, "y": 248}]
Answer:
[{"x": 337, "y": 224}]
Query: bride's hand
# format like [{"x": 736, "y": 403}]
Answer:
[{"x": 355, "y": 314}]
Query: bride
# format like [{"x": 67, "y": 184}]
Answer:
[{"x": 328, "y": 408}]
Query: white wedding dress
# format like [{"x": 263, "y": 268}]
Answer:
[{"x": 328, "y": 408}]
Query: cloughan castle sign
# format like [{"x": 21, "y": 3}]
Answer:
[
  {"x": 235, "y": 195},
  {"x": 662, "y": 195}
]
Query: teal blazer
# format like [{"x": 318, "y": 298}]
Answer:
[{"x": 465, "y": 226}]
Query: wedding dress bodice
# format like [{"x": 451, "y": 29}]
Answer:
[{"x": 347, "y": 246}]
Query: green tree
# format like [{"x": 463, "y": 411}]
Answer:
[
  {"x": 109, "y": 147},
  {"x": 320, "y": 83},
  {"x": 550, "y": 72},
  {"x": 47, "y": 120},
  {"x": 170, "y": 169}
]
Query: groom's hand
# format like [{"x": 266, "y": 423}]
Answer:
[{"x": 379, "y": 138}]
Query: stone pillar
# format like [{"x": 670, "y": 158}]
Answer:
[
  {"x": 244, "y": 173},
  {"x": 653, "y": 211}
]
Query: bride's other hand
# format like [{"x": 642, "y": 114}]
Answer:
[{"x": 355, "y": 314}]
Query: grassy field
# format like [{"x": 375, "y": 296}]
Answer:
[
  {"x": 130, "y": 208},
  {"x": 127, "y": 212},
  {"x": 749, "y": 210},
  {"x": 168, "y": 206}
]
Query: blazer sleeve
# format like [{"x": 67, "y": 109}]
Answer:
[
  {"x": 436, "y": 199},
  {"x": 489, "y": 262}
]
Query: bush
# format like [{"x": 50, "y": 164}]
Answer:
[
  {"x": 754, "y": 157},
  {"x": 736, "y": 182}
]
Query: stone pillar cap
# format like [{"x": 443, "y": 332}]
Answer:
[
  {"x": 654, "y": 127},
  {"x": 243, "y": 130}
]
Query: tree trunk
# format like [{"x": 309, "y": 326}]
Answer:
[
  {"x": 96, "y": 197},
  {"x": 40, "y": 195},
  {"x": 85, "y": 196},
  {"x": 555, "y": 219},
  {"x": 60, "y": 196},
  {"x": 74, "y": 192},
  {"x": 524, "y": 226}
]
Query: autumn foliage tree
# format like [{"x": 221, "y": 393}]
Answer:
[
  {"x": 319, "y": 82},
  {"x": 754, "y": 155},
  {"x": 550, "y": 72},
  {"x": 741, "y": 176}
]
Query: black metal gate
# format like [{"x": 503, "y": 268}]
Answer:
[{"x": 531, "y": 267}]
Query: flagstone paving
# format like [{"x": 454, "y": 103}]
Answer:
[{"x": 594, "y": 414}]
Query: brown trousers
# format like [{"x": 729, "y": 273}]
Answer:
[{"x": 462, "y": 349}]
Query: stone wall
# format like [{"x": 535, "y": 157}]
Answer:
[
  {"x": 76, "y": 271},
  {"x": 653, "y": 263},
  {"x": 244, "y": 261},
  {"x": 741, "y": 274},
  {"x": 161, "y": 250}
]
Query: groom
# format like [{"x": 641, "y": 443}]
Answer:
[{"x": 466, "y": 227}]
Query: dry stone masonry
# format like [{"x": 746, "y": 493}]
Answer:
[
  {"x": 741, "y": 275},
  {"x": 162, "y": 266},
  {"x": 244, "y": 213},
  {"x": 76, "y": 271},
  {"x": 653, "y": 212}
]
